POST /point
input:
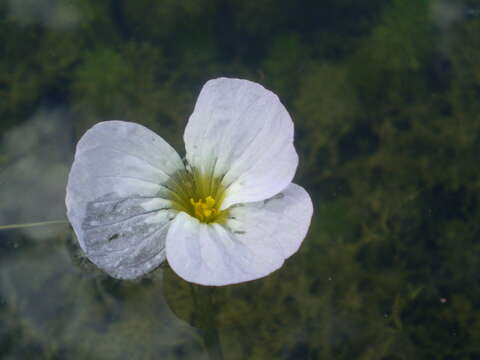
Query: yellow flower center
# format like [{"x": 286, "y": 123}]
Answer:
[
  {"x": 204, "y": 210},
  {"x": 198, "y": 195}
]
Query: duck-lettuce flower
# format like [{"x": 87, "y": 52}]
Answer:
[{"x": 226, "y": 214}]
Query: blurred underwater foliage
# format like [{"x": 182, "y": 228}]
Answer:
[{"x": 385, "y": 100}]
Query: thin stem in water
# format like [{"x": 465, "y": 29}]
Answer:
[{"x": 27, "y": 225}]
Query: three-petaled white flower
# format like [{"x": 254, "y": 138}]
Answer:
[{"x": 228, "y": 214}]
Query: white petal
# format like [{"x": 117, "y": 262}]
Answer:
[
  {"x": 256, "y": 240},
  {"x": 115, "y": 199},
  {"x": 287, "y": 214},
  {"x": 241, "y": 131}
]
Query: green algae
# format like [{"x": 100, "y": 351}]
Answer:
[{"x": 385, "y": 105}]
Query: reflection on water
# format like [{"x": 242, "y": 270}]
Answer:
[
  {"x": 51, "y": 13},
  {"x": 384, "y": 96},
  {"x": 54, "y": 309},
  {"x": 36, "y": 160}
]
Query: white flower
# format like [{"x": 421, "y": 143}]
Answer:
[{"x": 230, "y": 214}]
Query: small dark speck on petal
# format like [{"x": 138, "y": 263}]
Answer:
[{"x": 114, "y": 236}]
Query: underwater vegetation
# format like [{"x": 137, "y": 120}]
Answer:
[{"x": 384, "y": 96}]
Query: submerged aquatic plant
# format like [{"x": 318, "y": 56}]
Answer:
[{"x": 227, "y": 214}]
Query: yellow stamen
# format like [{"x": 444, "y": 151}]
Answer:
[
  {"x": 197, "y": 194},
  {"x": 204, "y": 210}
]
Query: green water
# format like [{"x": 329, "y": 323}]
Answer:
[{"x": 385, "y": 97}]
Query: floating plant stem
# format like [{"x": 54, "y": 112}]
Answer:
[
  {"x": 212, "y": 343},
  {"x": 33, "y": 224},
  {"x": 202, "y": 298}
]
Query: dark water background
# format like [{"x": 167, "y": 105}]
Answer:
[{"x": 385, "y": 96}]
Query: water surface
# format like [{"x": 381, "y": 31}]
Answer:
[{"x": 385, "y": 100}]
